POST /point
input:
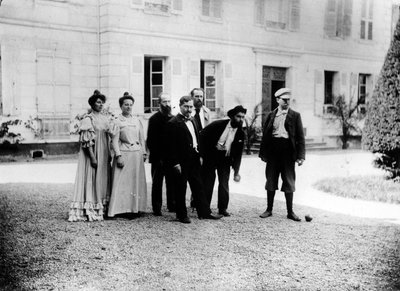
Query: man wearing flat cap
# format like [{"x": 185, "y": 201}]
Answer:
[
  {"x": 281, "y": 147},
  {"x": 221, "y": 146}
]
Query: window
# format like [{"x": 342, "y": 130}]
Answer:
[
  {"x": 278, "y": 14},
  {"x": 329, "y": 87},
  {"x": 338, "y": 18},
  {"x": 332, "y": 87},
  {"x": 364, "y": 88},
  {"x": 366, "y": 19},
  {"x": 163, "y": 7},
  {"x": 212, "y": 8},
  {"x": 208, "y": 73},
  {"x": 154, "y": 82},
  {"x": 53, "y": 94}
]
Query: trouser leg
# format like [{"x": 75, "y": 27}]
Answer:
[
  {"x": 223, "y": 171},
  {"x": 180, "y": 182},
  {"x": 170, "y": 191},
  {"x": 208, "y": 176},
  {"x": 156, "y": 189},
  {"x": 197, "y": 188}
]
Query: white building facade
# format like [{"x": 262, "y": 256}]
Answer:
[{"x": 54, "y": 54}]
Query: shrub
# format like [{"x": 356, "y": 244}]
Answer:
[
  {"x": 382, "y": 127},
  {"x": 252, "y": 130},
  {"x": 348, "y": 116}
]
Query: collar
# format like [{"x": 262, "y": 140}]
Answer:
[
  {"x": 184, "y": 118},
  {"x": 282, "y": 112}
]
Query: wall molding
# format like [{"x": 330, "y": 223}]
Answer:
[{"x": 44, "y": 25}]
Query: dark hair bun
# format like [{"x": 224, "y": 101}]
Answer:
[
  {"x": 96, "y": 92},
  {"x": 127, "y": 94}
]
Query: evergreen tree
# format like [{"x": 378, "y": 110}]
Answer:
[{"x": 382, "y": 126}]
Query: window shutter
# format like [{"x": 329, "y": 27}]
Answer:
[
  {"x": 228, "y": 71},
  {"x": 137, "y": 64},
  {"x": 354, "y": 86},
  {"x": 177, "y": 5},
  {"x": 294, "y": 14},
  {"x": 217, "y": 8},
  {"x": 318, "y": 93},
  {"x": 339, "y": 19},
  {"x": 330, "y": 18},
  {"x": 259, "y": 12},
  {"x": 348, "y": 11},
  {"x": 177, "y": 67},
  {"x": 206, "y": 7}
]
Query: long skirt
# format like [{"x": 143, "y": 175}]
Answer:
[{"x": 129, "y": 190}]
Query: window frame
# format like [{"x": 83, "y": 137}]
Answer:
[
  {"x": 212, "y": 6},
  {"x": 203, "y": 76},
  {"x": 366, "y": 21}
]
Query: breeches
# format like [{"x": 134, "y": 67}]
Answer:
[{"x": 280, "y": 163}]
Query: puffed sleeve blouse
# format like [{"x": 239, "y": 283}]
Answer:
[{"x": 87, "y": 133}]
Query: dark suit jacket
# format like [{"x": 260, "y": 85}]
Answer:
[
  {"x": 179, "y": 141},
  {"x": 293, "y": 126},
  {"x": 156, "y": 136},
  {"x": 209, "y": 137}
]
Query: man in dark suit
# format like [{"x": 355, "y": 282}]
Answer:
[
  {"x": 183, "y": 156},
  {"x": 221, "y": 148},
  {"x": 282, "y": 146},
  {"x": 157, "y": 147}
]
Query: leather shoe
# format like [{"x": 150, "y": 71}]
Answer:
[
  {"x": 224, "y": 213},
  {"x": 184, "y": 220},
  {"x": 266, "y": 214},
  {"x": 157, "y": 213},
  {"x": 212, "y": 216},
  {"x": 293, "y": 216}
]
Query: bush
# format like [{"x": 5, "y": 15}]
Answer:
[
  {"x": 348, "y": 116},
  {"x": 382, "y": 126}
]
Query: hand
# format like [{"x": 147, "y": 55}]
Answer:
[
  {"x": 300, "y": 162},
  {"x": 93, "y": 163},
  {"x": 144, "y": 157},
  {"x": 201, "y": 161},
  {"x": 120, "y": 162},
  {"x": 178, "y": 168},
  {"x": 236, "y": 178}
]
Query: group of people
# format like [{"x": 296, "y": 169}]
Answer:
[{"x": 184, "y": 148}]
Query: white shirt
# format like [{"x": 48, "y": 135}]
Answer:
[
  {"x": 279, "y": 129},
  {"x": 190, "y": 126},
  {"x": 226, "y": 139}
]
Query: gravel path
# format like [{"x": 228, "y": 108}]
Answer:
[{"x": 42, "y": 251}]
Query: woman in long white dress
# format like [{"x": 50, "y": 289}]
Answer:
[
  {"x": 129, "y": 190},
  {"x": 92, "y": 183}
]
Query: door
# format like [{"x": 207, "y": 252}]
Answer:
[{"x": 273, "y": 78}]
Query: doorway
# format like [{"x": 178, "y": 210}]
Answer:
[{"x": 273, "y": 78}]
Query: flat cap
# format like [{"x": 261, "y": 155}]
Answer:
[{"x": 283, "y": 93}]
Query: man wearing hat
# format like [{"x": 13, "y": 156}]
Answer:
[
  {"x": 221, "y": 146},
  {"x": 281, "y": 147}
]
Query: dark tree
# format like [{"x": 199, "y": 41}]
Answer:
[{"x": 382, "y": 127}]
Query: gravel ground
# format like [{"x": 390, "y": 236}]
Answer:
[{"x": 42, "y": 251}]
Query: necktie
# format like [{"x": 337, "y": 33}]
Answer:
[{"x": 197, "y": 118}]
